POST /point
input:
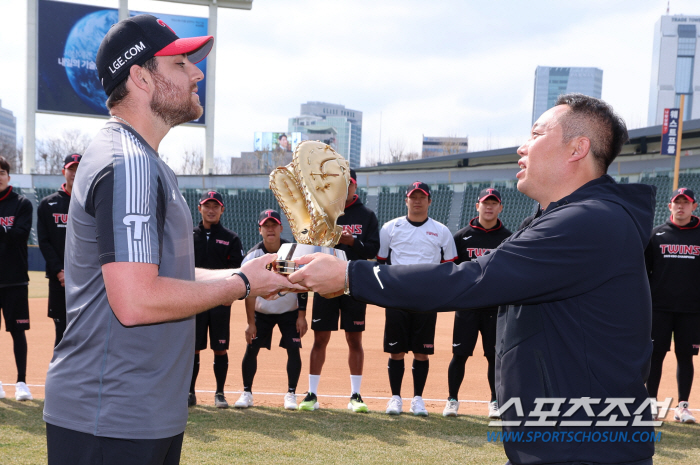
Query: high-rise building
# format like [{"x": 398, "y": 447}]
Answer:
[
  {"x": 339, "y": 127},
  {"x": 439, "y": 146},
  {"x": 675, "y": 68},
  {"x": 8, "y": 125},
  {"x": 551, "y": 82}
]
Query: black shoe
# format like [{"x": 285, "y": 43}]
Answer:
[
  {"x": 220, "y": 400},
  {"x": 191, "y": 400}
]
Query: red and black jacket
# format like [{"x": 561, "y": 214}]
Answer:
[
  {"x": 222, "y": 250},
  {"x": 15, "y": 225},
  {"x": 51, "y": 224},
  {"x": 673, "y": 264},
  {"x": 362, "y": 223},
  {"x": 474, "y": 240}
]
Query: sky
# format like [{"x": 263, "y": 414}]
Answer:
[{"x": 443, "y": 68}]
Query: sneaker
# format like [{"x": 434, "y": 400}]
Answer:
[
  {"x": 220, "y": 400},
  {"x": 191, "y": 399},
  {"x": 22, "y": 392},
  {"x": 290, "y": 401},
  {"x": 418, "y": 407},
  {"x": 245, "y": 401},
  {"x": 683, "y": 414},
  {"x": 356, "y": 404},
  {"x": 309, "y": 403},
  {"x": 451, "y": 408},
  {"x": 395, "y": 405},
  {"x": 2, "y": 392},
  {"x": 494, "y": 413}
]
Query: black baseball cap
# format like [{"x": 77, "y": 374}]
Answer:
[
  {"x": 269, "y": 214},
  {"x": 684, "y": 191},
  {"x": 72, "y": 159},
  {"x": 421, "y": 186},
  {"x": 135, "y": 40},
  {"x": 353, "y": 176},
  {"x": 211, "y": 195},
  {"x": 489, "y": 192}
]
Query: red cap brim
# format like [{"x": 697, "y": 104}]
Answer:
[
  {"x": 269, "y": 218},
  {"x": 683, "y": 195},
  {"x": 196, "y": 48},
  {"x": 71, "y": 164},
  {"x": 202, "y": 202},
  {"x": 490, "y": 195},
  {"x": 417, "y": 189}
]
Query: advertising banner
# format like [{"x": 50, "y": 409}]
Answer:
[{"x": 69, "y": 36}]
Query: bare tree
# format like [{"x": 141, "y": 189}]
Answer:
[
  {"x": 193, "y": 164},
  {"x": 52, "y": 150},
  {"x": 12, "y": 154},
  {"x": 397, "y": 153},
  {"x": 268, "y": 159}
]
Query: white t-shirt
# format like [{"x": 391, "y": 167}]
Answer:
[
  {"x": 430, "y": 242},
  {"x": 284, "y": 304}
]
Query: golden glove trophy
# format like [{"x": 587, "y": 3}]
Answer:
[{"x": 312, "y": 191}]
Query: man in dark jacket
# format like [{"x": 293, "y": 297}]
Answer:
[
  {"x": 360, "y": 241},
  {"x": 215, "y": 248},
  {"x": 484, "y": 232},
  {"x": 52, "y": 220},
  {"x": 15, "y": 224},
  {"x": 673, "y": 264},
  {"x": 573, "y": 344}
]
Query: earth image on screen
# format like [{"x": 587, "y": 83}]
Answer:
[{"x": 82, "y": 43}]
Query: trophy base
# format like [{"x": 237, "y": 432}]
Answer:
[{"x": 286, "y": 254}]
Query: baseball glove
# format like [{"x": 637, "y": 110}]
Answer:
[{"x": 312, "y": 190}]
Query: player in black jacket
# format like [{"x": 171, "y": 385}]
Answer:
[
  {"x": 215, "y": 248},
  {"x": 673, "y": 264},
  {"x": 51, "y": 222},
  {"x": 360, "y": 241},
  {"x": 15, "y": 224},
  {"x": 485, "y": 232}
]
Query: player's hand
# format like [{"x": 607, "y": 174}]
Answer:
[
  {"x": 250, "y": 332},
  {"x": 266, "y": 283},
  {"x": 61, "y": 278},
  {"x": 347, "y": 239},
  {"x": 322, "y": 273},
  {"x": 302, "y": 326}
]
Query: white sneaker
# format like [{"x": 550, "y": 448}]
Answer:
[
  {"x": 418, "y": 407},
  {"x": 395, "y": 405},
  {"x": 290, "y": 401},
  {"x": 451, "y": 408},
  {"x": 2, "y": 392},
  {"x": 22, "y": 392},
  {"x": 683, "y": 414},
  {"x": 245, "y": 401},
  {"x": 494, "y": 413}
]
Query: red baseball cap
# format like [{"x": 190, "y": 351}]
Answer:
[
  {"x": 421, "y": 186},
  {"x": 489, "y": 192},
  {"x": 269, "y": 215},
  {"x": 685, "y": 192},
  {"x": 211, "y": 195},
  {"x": 72, "y": 159}
]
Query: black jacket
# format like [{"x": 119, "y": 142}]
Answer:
[
  {"x": 15, "y": 225},
  {"x": 222, "y": 250},
  {"x": 51, "y": 223},
  {"x": 577, "y": 324},
  {"x": 673, "y": 264},
  {"x": 362, "y": 223},
  {"x": 473, "y": 241}
]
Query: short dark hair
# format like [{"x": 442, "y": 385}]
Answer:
[
  {"x": 120, "y": 91},
  {"x": 595, "y": 119},
  {"x": 4, "y": 164}
]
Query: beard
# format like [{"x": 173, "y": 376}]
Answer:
[{"x": 173, "y": 105}]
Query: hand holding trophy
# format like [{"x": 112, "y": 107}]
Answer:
[{"x": 311, "y": 190}]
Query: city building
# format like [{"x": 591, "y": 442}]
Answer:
[
  {"x": 339, "y": 127},
  {"x": 551, "y": 82},
  {"x": 675, "y": 68},
  {"x": 8, "y": 125},
  {"x": 439, "y": 146}
]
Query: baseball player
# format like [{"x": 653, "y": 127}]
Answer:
[
  {"x": 360, "y": 241},
  {"x": 412, "y": 239},
  {"x": 485, "y": 232},
  {"x": 673, "y": 265},
  {"x": 288, "y": 312},
  {"x": 52, "y": 220},
  {"x": 15, "y": 224},
  {"x": 117, "y": 384},
  {"x": 215, "y": 248}
]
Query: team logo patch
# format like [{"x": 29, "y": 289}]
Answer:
[
  {"x": 296, "y": 339},
  {"x": 219, "y": 241},
  {"x": 430, "y": 233},
  {"x": 7, "y": 221},
  {"x": 222, "y": 341},
  {"x": 19, "y": 322},
  {"x": 358, "y": 323},
  {"x": 427, "y": 346}
]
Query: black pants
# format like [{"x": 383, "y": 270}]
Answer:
[{"x": 68, "y": 447}]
